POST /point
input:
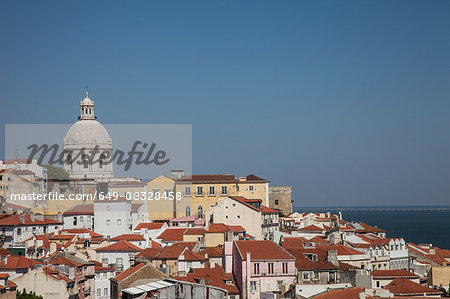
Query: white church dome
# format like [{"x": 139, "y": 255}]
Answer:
[{"x": 87, "y": 132}]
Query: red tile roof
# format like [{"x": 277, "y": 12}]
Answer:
[
  {"x": 130, "y": 271},
  {"x": 172, "y": 234},
  {"x": 254, "y": 178},
  {"x": 135, "y": 207},
  {"x": 14, "y": 220},
  {"x": 86, "y": 209},
  {"x": 393, "y": 274},
  {"x": 212, "y": 276},
  {"x": 189, "y": 255},
  {"x": 18, "y": 262},
  {"x": 262, "y": 250},
  {"x": 312, "y": 228},
  {"x": 205, "y": 178},
  {"x": 19, "y": 161},
  {"x": 195, "y": 231},
  {"x": 344, "y": 250},
  {"x": 149, "y": 226},
  {"x": 216, "y": 251},
  {"x": 174, "y": 251},
  {"x": 78, "y": 231},
  {"x": 122, "y": 245},
  {"x": 149, "y": 253},
  {"x": 128, "y": 237},
  {"x": 60, "y": 260},
  {"x": 404, "y": 287},
  {"x": 304, "y": 263}
]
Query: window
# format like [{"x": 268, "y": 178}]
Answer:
[
  {"x": 119, "y": 222},
  {"x": 105, "y": 292},
  {"x": 75, "y": 220},
  {"x": 187, "y": 190},
  {"x": 212, "y": 190},
  {"x": 105, "y": 262},
  {"x": 305, "y": 275},
  {"x": 199, "y": 191},
  {"x": 155, "y": 193},
  {"x": 285, "y": 268},
  {"x": 253, "y": 286},
  {"x": 200, "y": 212},
  {"x": 101, "y": 162},
  {"x": 19, "y": 231},
  {"x": 276, "y": 202},
  {"x": 108, "y": 222},
  {"x": 223, "y": 190},
  {"x": 119, "y": 264},
  {"x": 256, "y": 268},
  {"x": 188, "y": 211},
  {"x": 378, "y": 284},
  {"x": 270, "y": 268},
  {"x": 81, "y": 219},
  {"x": 251, "y": 188},
  {"x": 99, "y": 292},
  {"x": 167, "y": 193},
  {"x": 86, "y": 161}
]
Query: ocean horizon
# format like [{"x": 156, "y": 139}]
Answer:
[{"x": 416, "y": 224}]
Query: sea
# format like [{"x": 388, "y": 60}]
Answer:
[{"x": 424, "y": 224}]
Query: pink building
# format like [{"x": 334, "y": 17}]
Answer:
[{"x": 259, "y": 266}]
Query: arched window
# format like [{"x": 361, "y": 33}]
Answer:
[
  {"x": 200, "y": 212},
  {"x": 188, "y": 211},
  {"x": 101, "y": 161},
  {"x": 86, "y": 161}
]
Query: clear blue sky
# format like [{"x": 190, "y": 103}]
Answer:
[{"x": 346, "y": 101}]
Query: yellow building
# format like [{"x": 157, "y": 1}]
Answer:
[
  {"x": 161, "y": 199},
  {"x": 200, "y": 192}
]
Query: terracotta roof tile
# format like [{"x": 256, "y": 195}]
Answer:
[
  {"x": 262, "y": 250},
  {"x": 393, "y": 274},
  {"x": 130, "y": 271},
  {"x": 122, "y": 245},
  {"x": 149, "y": 226},
  {"x": 212, "y": 276},
  {"x": 128, "y": 237},
  {"x": 18, "y": 262},
  {"x": 14, "y": 220},
  {"x": 403, "y": 286},
  {"x": 86, "y": 209},
  {"x": 172, "y": 234}
]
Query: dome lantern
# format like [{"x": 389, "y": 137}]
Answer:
[{"x": 87, "y": 108}]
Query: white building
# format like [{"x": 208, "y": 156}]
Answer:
[
  {"x": 112, "y": 217},
  {"x": 16, "y": 229},
  {"x": 258, "y": 220},
  {"x": 117, "y": 255},
  {"x": 79, "y": 216},
  {"x": 83, "y": 137},
  {"x": 101, "y": 282}
]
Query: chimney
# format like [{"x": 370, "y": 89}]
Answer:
[
  {"x": 52, "y": 248},
  {"x": 176, "y": 174},
  {"x": 212, "y": 265},
  {"x": 22, "y": 218},
  {"x": 362, "y": 295},
  {"x": 59, "y": 217},
  {"x": 32, "y": 217},
  {"x": 332, "y": 257}
]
